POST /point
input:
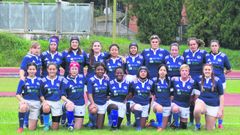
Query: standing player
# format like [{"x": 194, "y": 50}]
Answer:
[
  {"x": 52, "y": 55},
  {"x": 211, "y": 99},
  {"x": 119, "y": 92},
  {"x": 219, "y": 60},
  {"x": 74, "y": 53},
  {"x": 195, "y": 58},
  {"x": 28, "y": 94},
  {"x": 51, "y": 89},
  {"x": 183, "y": 86},
  {"x": 154, "y": 56},
  {"x": 97, "y": 94},
  {"x": 133, "y": 62},
  {"x": 73, "y": 96},
  {"x": 114, "y": 61},
  {"x": 161, "y": 99},
  {"x": 174, "y": 60},
  {"x": 141, "y": 90},
  {"x": 32, "y": 56}
]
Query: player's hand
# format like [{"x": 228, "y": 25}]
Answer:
[
  {"x": 22, "y": 78},
  {"x": 23, "y": 101}
]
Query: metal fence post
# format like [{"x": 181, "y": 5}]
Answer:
[
  {"x": 26, "y": 16},
  {"x": 92, "y": 18},
  {"x": 58, "y": 19}
]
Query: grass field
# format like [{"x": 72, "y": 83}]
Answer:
[
  {"x": 10, "y": 85},
  {"x": 9, "y": 124}
]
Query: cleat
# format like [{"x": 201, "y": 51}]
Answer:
[
  {"x": 220, "y": 126},
  {"x": 19, "y": 130},
  {"x": 70, "y": 128},
  {"x": 190, "y": 124},
  {"x": 197, "y": 129},
  {"x": 46, "y": 128}
]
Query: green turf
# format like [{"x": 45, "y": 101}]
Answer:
[
  {"x": 9, "y": 124},
  {"x": 10, "y": 85}
]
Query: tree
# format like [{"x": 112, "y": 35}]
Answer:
[
  {"x": 215, "y": 20},
  {"x": 160, "y": 17}
]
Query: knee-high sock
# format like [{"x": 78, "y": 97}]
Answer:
[
  {"x": 128, "y": 113},
  {"x": 26, "y": 118},
  {"x": 191, "y": 113},
  {"x": 220, "y": 121},
  {"x": 114, "y": 117},
  {"x": 119, "y": 122},
  {"x": 46, "y": 119},
  {"x": 159, "y": 117},
  {"x": 138, "y": 115},
  {"x": 70, "y": 117},
  {"x": 176, "y": 117},
  {"x": 93, "y": 119},
  {"x": 64, "y": 116},
  {"x": 21, "y": 119}
]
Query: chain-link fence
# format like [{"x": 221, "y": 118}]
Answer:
[{"x": 47, "y": 18}]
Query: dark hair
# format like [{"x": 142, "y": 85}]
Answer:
[
  {"x": 31, "y": 64},
  {"x": 51, "y": 63},
  {"x": 91, "y": 54},
  {"x": 166, "y": 77},
  {"x": 143, "y": 68},
  {"x": 119, "y": 67},
  {"x": 203, "y": 78},
  {"x": 100, "y": 64},
  {"x": 199, "y": 42},
  {"x": 112, "y": 46},
  {"x": 214, "y": 40},
  {"x": 70, "y": 48}
]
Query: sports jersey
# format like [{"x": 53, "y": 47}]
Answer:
[
  {"x": 74, "y": 89},
  {"x": 99, "y": 89},
  {"x": 133, "y": 63},
  {"x": 118, "y": 90},
  {"x": 153, "y": 58},
  {"x": 97, "y": 59},
  {"x": 31, "y": 58},
  {"x": 52, "y": 89},
  {"x": 210, "y": 97},
  {"x": 174, "y": 65},
  {"x": 219, "y": 62},
  {"x": 162, "y": 91},
  {"x": 195, "y": 61},
  {"x": 111, "y": 65},
  {"x": 68, "y": 57},
  {"x": 30, "y": 88},
  {"x": 48, "y": 57},
  {"x": 141, "y": 91},
  {"x": 182, "y": 91}
]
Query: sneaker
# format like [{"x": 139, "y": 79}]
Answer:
[
  {"x": 70, "y": 128},
  {"x": 197, "y": 129},
  {"x": 19, "y": 130},
  {"x": 46, "y": 128},
  {"x": 220, "y": 126},
  {"x": 190, "y": 124},
  {"x": 128, "y": 124},
  {"x": 25, "y": 126}
]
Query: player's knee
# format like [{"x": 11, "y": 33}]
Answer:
[
  {"x": 158, "y": 108},
  {"x": 112, "y": 107},
  {"x": 175, "y": 109},
  {"x": 23, "y": 108},
  {"x": 70, "y": 106},
  {"x": 92, "y": 109},
  {"x": 138, "y": 107},
  {"x": 46, "y": 108}
]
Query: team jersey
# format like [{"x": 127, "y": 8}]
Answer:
[
  {"x": 195, "y": 61},
  {"x": 99, "y": 89},
  {"x": 51, "y": 89},
  {"x": 152, "y": 59},
  {"x": 133, "y": 63},
  {"x": 111, "y": 65},
  {"x": 162, "y": 91},
  {"x": 210, "y": 97},
  {"x": 31, "y": 58},
  {"x": 118, "y": 91},
  {"x": 97, "y": 59},
  {"x": 174, "y": 65},
  {"x": 68, "y": 57},
  {"x": 182, "y": 91},
  {"x": 219, "y": 62},
  {"x": 30, "y": 88},
  {"x": 74, "y": 89},
  {"x": 48, "y": 57},
  {"x": 141, "y": 91}
]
